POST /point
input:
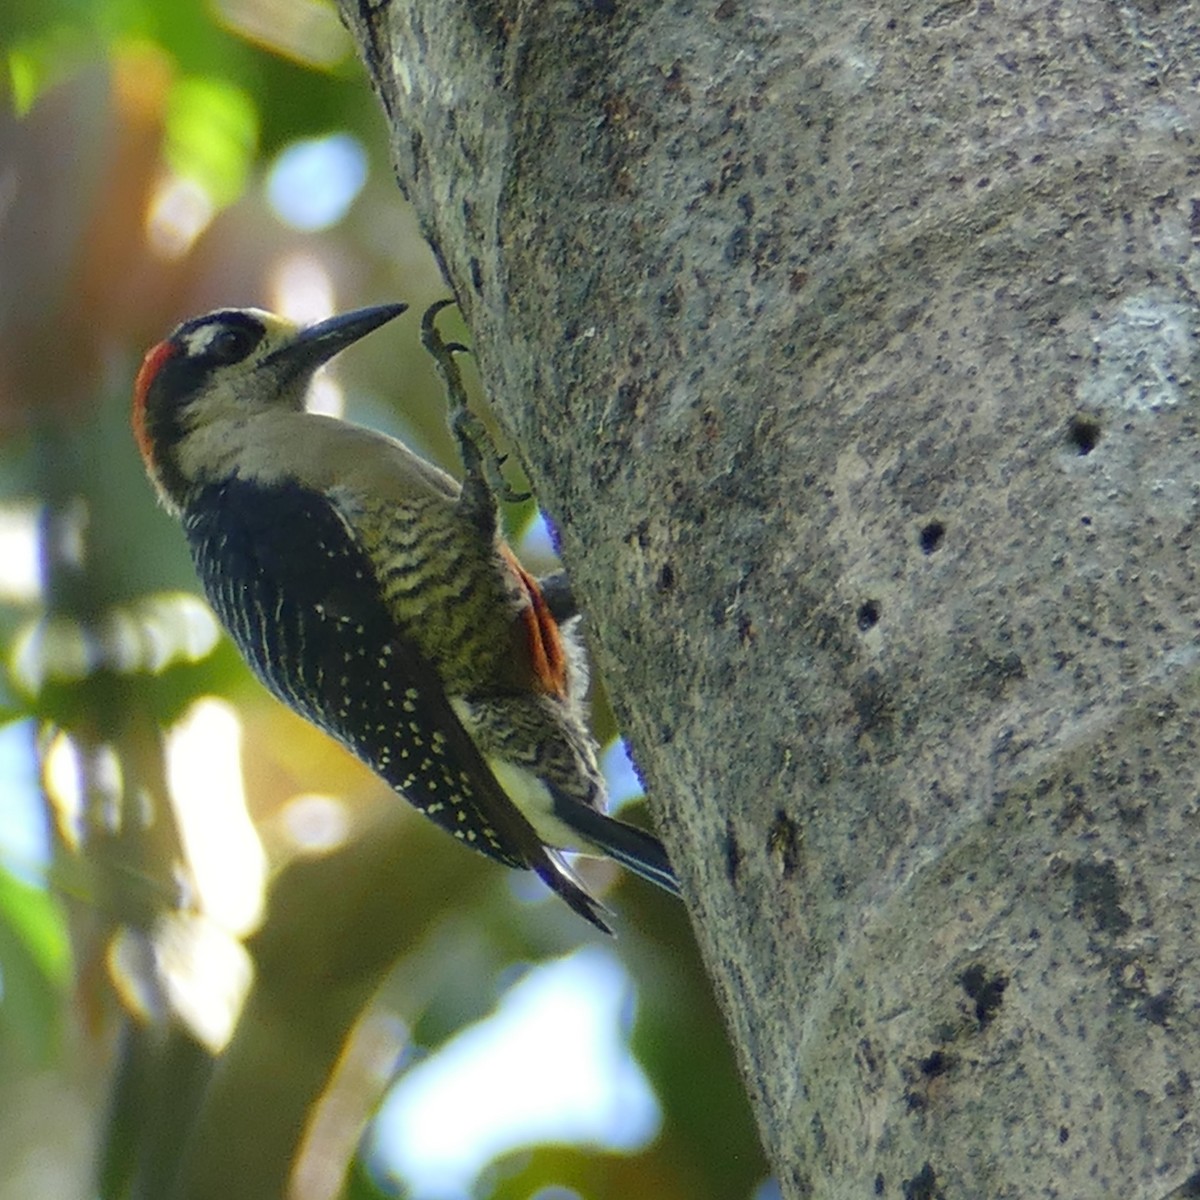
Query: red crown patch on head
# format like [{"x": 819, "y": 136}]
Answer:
[{"x": 151, "y": 365}]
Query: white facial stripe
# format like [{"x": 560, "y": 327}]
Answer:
[{"x": 197, "y": 341}]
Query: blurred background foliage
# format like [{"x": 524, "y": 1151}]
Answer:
[{"x": 175, "y": 849}]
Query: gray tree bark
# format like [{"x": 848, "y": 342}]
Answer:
[{"x": 851, "y": 347}]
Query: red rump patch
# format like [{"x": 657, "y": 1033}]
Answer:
[
  {"x": 151, "y": 365},
  {"x": 546, "y": 654}
]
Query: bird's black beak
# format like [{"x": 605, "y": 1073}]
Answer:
[{"x": 319, "y": 343}]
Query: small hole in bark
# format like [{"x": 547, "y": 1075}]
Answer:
[
  {"x": 931, "y": 537},
  {"x": 868, "y": 615},
  {"x": 1083, "y": 433}
]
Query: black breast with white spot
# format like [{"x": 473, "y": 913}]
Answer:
[{"x": 298, "y": 596}]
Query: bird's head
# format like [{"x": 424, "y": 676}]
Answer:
[{"x": 215, "y": 372}]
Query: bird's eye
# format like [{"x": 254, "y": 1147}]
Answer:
[{"x": 230, "y": 345}]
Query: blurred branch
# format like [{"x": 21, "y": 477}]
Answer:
[{"x": 334, "y": 928}]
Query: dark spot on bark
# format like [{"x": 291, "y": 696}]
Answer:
[
  {"x": 671, "y": 302},
  {"x": 738, "y": 245},
  {"x": 938, "y": 1063},
  {"x": 987, "y": 990},
  {"x": 629, "y": 397},
  {"x": 1097, "y": 896},
  {"x": 731, "y": 173},
  {"x": 1083, "y": 433},
  {"x": 801, "y": 1184},
  {"x": 733, "y": 853},
  {"x": 1189, "y": 1189},
  {"x": 996, "y": 672},
  {"x": 923, "y": 1185},
  {"x": 673, "y": 83},
  {"x": 868, "y": 615},
  {"x": 1063, "y": 1134},
  {"x": 872, "y": 703},
  {"x": 666, "y": 577},
  {"x": 1157, "y": 1009},
  {"x": 783, "y": 843},
  {"x": 867, "y": 1056},
  {"x": 818, "y": 1129},
  {"x": 1181, "y": 1085},
  {"x": 931, "y": 537}
]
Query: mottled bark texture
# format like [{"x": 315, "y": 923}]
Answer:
[{"x": 851, "y": 346}]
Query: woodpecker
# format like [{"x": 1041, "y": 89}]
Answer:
[{"x": 375, "y": 597}]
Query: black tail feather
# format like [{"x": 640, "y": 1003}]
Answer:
[
  {"x": 554, "y": 872},
  {"x": 634, "y": 848}
]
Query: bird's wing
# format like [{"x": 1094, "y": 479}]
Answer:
[{"x": 284, "y": 571}]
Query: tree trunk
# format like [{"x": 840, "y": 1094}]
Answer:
[{"x": 851, "y": 351}]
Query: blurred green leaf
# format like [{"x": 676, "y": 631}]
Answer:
[
  {"x": 212, "y": 136},
  {"x": 297, "y": 81},
  {"x": 12, "y": 707},
  {"x": 38, "y": 61},
  {"x": 35, "y": 918},
  {"x": 34, "y": 965}
]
